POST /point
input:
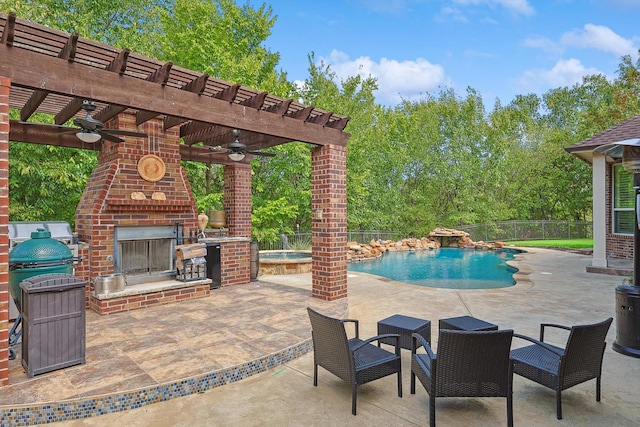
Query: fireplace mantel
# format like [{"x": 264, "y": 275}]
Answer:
[{"x": 147, "y": 205}]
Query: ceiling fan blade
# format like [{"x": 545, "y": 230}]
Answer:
[
  {"x": 218, "y": 148},
  {"x": 87, "y": 124},
  {"x": 261, "y": 153},
  {"x": 110, "y": 137},
  {"x": 62, "y": 127},
  {"x": 123, "y": 132}
]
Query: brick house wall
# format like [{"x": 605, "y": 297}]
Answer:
[{"x": 619, "y": 246}]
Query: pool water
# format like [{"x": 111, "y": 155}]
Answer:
[{"x": 444, "y": 268}]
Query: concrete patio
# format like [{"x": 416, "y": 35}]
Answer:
[{"x": 553, "y": 286}]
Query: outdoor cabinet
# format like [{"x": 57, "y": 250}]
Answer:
[{"x": 53, "y": 322}]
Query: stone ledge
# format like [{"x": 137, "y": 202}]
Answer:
[
  {"x": 152, "y": 287},
  {"x": 149, "y": 295}
]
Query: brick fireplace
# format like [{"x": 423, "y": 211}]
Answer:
[{"x": 137, "y": 202}]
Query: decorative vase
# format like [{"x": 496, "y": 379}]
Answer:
[
  {"x": 203, "y": 220},
  {"x": 217, "y": 219}
]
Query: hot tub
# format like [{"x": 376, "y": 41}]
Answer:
[{"x": 285, "y": 262}]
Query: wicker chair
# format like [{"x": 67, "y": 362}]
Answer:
[
  {"x": 560, "y": 368},
  {"x": 468, "y": 364},
  {"x": 353, "y": 360}
]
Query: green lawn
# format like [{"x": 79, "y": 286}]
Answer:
[{"x": 564, "y": 243}]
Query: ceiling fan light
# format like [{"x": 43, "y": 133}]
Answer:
[
  {"x": 236, "y": 156},
  {"x": 237, "y": 150},
  {"x": 88, "y": 136}
]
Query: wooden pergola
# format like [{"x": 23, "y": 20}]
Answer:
[
  {"x": 49, "y": 71},
  {"x": 54, "y": 72}
]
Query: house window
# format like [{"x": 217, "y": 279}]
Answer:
[{"x": 623, "y": 201}]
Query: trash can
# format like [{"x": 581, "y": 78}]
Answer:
[
  {"x": 627, "y": 320},
  {"x": 53, "y": 322}
]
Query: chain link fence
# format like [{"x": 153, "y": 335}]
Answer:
[{"x": 506, "y": 231}]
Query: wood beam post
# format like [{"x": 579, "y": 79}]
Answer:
[{"x": 5, "y": 85}]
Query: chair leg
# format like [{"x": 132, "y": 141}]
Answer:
[
  {"x": 315, "y": 375},
  {"x": 354, "y": 398},
  {"x": 559, "y": 404},
  {"x": 432, "y": 410},
  {"x": 510, "y": 396},
  {"x": 399, "y": 383},
  {"x": 413, "y": 383},
  {"x": 598, "y": 389}
]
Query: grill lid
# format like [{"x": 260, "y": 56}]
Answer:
[{"x": 40, "y": 250}]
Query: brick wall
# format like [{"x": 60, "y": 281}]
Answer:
[
  {"x": 329, "y": 224},
  {"x": 5, "y": 84},
  {"x": 235, "y": 263}
]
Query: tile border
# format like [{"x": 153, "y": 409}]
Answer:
[{"x": 66, "y": 410}]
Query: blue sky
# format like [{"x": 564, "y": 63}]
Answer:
[{"x": 501, "y": 48}]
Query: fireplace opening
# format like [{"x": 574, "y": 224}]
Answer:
[{"x": 145, "y": 253}]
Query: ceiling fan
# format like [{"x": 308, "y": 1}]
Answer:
[
  {"x": 237, "y": 150},
  {"x": 92, "y": 130}
]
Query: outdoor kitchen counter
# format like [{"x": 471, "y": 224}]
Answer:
[{"x": 223, "y": 239}]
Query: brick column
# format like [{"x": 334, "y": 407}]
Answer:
[
  {"x": 237, "y": 199},
  {"x": 329, "y": 223},
  {"x": 235, "y": 256},
  {"x": 5, "y": 85}
]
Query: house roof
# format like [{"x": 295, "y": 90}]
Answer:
[
  {"x": 53, "y": 72},
  {"x": 626, "y": 130}
]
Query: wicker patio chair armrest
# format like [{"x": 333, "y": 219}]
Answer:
[
  {"x": 550, "y": 348},
  {"x": 376, "y": 338},
  {"x": 356, "y": 324},
  {"x": 414, "y": 345},
  {"x": 551, "y": 325}
]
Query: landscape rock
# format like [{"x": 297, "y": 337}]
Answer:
[{"x": 437, "y": 238}]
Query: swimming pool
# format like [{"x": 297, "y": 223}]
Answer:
[{"x": 444, "y": 268}]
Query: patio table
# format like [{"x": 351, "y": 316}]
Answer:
[
  {"x": 466, "y": 323},
  {"x": 404, "y": 326}
]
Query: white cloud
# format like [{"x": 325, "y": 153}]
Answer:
[
  {"x": 397, "y": 80},
  {"x": 520, "y": 7},
  {"x": 599, "y": 37},
  {"x": 543, "y": 43},
  {"x": 565, "y": 72},
  {"x": 450, "y": 13}
]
